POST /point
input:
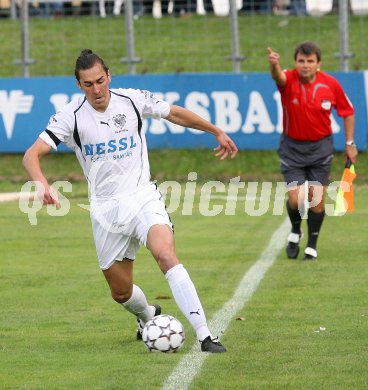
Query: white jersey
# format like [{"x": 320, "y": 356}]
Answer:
[{"x": 110, "y": 146}]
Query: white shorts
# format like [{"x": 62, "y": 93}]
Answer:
[{"x": 120, "y": 226}]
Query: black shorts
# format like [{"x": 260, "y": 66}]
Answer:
[{"x": 306, "y": 160}]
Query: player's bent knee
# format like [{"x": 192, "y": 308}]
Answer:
[
  {"x": 166, "y": 260},
  {"x": 121, "y": 296},
  {"x": 296, "y": 204}
]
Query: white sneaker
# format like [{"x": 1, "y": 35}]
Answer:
[{"x": 310, "y": 253}]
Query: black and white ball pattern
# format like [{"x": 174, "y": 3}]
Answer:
[{"x": 163, "y": 333}]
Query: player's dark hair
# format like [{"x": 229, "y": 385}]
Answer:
[
  {"x": 88, "y": 59},
  {"x": 307, "y": 48}
]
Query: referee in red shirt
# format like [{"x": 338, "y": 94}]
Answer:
[{"x": 306, "y": 146}]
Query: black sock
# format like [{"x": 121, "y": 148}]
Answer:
[
  {"x": 314, "y": 226},
  {"x": 295, "y": 219}
]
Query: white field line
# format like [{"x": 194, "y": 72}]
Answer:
[
  {"x": 189, "y": 366},
  {"x": 14, "y": 196}
]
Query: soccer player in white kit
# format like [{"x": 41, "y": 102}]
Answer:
[{"x": 104, "y": 128}]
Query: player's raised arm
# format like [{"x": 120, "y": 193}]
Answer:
[
  {"x": 186, "y": 118},
  {"x": 276, "y": 72},
  {"x": 31, "y": 162}
]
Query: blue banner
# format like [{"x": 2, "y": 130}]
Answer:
[{"x": 247, "y": 106}]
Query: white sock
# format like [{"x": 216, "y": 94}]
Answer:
[
  {"x": 186, "y": 298},
  {"x": 138, "y": 305}
]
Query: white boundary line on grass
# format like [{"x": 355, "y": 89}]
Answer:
[
  {"x": 14, "y": 196},
  {"x": 189, "y": 366}
]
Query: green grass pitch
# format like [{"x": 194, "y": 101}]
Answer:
[{"x": 59, "y": 328}]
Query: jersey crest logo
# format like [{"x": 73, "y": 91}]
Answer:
[
  {"x": 119, "y": 120},
  {"x": 326, "y": 104}
]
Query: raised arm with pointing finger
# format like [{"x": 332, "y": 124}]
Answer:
[{"x": 276, "y": 72}]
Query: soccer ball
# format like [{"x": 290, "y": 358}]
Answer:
[{"x": 163, "y": 333}]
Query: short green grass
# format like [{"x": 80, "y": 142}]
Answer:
[
  {"x": 59, "y": 329},
  {"x": 163, "y": 45}
]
